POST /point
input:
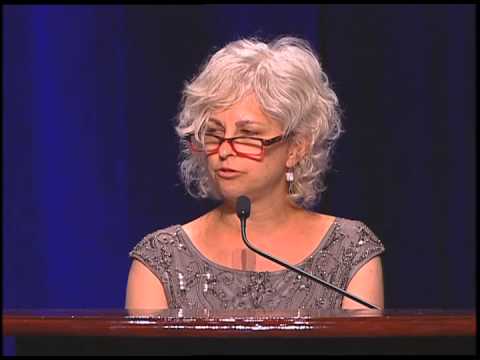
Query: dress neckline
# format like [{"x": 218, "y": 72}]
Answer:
[{"x": 323, "y": 242}]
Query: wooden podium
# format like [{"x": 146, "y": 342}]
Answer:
[{"x": 118, "y": 332}]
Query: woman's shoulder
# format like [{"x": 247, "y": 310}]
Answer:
[
  {"x": 170, "y": 236},
  {"x": 338, "y": 223},
  {"x": 156, "y": 238},
  {"x": 354, "y": 231}
]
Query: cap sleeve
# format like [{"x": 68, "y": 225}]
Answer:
[
  {"x": 155, "y": 251},
  {"x": 364, "y": 246}
]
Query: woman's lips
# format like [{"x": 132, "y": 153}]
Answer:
[{"x": 228, "y": 173}]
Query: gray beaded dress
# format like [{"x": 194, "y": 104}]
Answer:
[{"x": 191, "y": 281}]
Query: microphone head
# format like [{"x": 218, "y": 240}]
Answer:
[{"x": 243, "y": 207}]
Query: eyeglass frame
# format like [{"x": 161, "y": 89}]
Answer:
[{"x": 264, "y": 142}]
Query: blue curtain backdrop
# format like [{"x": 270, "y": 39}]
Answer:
[{"x": 90, "y": 154}]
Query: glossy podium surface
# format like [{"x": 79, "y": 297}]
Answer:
[{"x": 118, "y": 332}]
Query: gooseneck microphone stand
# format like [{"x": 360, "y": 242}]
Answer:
[{"x": 243, "y": 212}]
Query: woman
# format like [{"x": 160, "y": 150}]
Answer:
[{"x": 258, "y": 120}]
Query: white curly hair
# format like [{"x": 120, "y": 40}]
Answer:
[{"x": 287, "y": 78}]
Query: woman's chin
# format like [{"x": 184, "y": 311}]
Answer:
[
  {"x": 231, "y": 193},
  {"x": 231, "y": 196}
]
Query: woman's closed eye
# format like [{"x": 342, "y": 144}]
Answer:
[
  {"x": 216, "y": 132},
  {"x": 247, "y": 132}
]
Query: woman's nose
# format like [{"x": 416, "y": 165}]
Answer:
[{"x": 225, "y": 149}]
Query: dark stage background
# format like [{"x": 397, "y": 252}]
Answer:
[{"x": 90, "y": 154}]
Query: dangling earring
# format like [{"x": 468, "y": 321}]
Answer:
[{"x": 289, "y": 175}]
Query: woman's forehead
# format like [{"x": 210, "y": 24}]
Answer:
[{"x": 245, "y": 112}]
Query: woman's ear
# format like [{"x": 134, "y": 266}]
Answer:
[{"x": 297, "y": 150}]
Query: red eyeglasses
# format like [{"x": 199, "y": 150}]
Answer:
[{"x": 245, "y": 146}]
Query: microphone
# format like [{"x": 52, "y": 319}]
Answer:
[{"x": 243, "y": 212}]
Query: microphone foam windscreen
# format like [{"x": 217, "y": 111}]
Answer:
[{"x": 243, "y": 206}]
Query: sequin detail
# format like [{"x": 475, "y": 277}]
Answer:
[{"x": 192, "y": 282}]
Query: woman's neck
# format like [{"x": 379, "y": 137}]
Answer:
[{"x": 265, "y": 216}]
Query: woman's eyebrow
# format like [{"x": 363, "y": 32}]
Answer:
[
  {"x": 246, "y": 122},
  {"x": 239, "y": 124},
  {"x": 215, "y": 121}
]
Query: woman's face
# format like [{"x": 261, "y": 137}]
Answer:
[{"x": 236, "y": 175}]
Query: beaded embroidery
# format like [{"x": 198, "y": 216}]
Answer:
[{"x": 192, "y": 282}]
